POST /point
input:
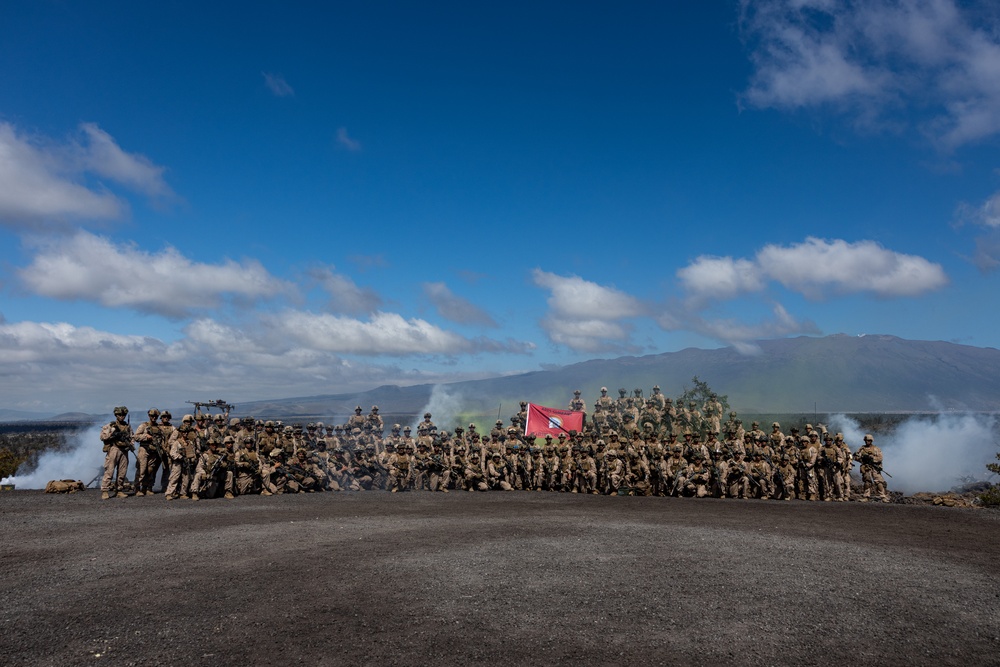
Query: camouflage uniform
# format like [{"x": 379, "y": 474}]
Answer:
[
  {"x": 117, "y": 439},
  {"x": 183, "y": 456},
  {"x": 214, "y": 472},
  {"x": 870, "y": 457},
  {"x": 148, "y": 435}
]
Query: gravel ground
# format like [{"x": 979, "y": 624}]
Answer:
[{"x": 501, "y": 578}]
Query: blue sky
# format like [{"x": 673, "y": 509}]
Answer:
[{"x": 260, "y": 200}]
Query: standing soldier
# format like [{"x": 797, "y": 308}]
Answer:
[
  {"x": 117, "y": 439},
  {"x": 829, "y": 470},
  {"x": 806, "y": 483},
  {"x": 577, "y": 404},
  {"x": 167, "y": 431},
  {"x": 846, "y": 463},
  {"x": 150, "y": 440},
  {"x": 183, "y": 454},
  {"x": 713, "y": 412},
  {"x": 870, "y": 457},
  {"x": 374, "y": 422}
]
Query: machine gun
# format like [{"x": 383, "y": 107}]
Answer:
[{"x": 218, "y": 403}]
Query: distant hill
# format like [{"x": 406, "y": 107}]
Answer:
[
  {"x": 837, "y": 373},
  {"x": 21, "y": 415}
]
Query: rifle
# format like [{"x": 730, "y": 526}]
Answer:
[
  {"x": 677, "y": 483},
  {"x": 215, "y": 468}
]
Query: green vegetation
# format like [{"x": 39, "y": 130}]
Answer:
[
  {"x": 991, "y": 497},
  {"x": 9, "y": 461}
]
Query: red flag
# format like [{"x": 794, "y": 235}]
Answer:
[{"x": 544, "y": 421}]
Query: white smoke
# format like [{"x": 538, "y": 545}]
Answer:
[
  {"x": 444, "y": 407},
  {"x": 81, "y": 459},
  {"x": 931, "y": 453}
]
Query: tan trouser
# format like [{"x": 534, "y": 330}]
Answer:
[
  {"x": 180, "y": 477},
  {"x": 116, "y": 461}
]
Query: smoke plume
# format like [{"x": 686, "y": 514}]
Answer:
[
  {"x": 445, "y": 407},
  {"x": 932, "y": 453},
  {"x": 81, "y": 458}
]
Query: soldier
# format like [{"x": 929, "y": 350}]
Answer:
[
  {"x": 777, "y": 437},
  {"x": 637, "y": 474},
  {"x": 438, "y": 469},
  {"x": 426, "y": 426},
  {"x": 268, "y": 440},
  {"x": 737, "y": 477},
  {"x": 784, "y": 478},
  {"x": 374, "y": 422},
  {"x": 495, "y": 474},
  {"x": 577, "y": 404},
  {"x": 357, "y": 420},
  {"x": 870, "y": 457},
  {"x": 669, "y": 417},
  {"x": 117, "y": 439},
  {"x": 167, "y": 431},
  {"x": 673, "y": 471},
  {"x": 697, "y": 477},
  {"x": 305, "y": 474},
  {"x": 713, "y": 412},
  {"x": 846, "y": 463},
  {"x": 400, "y": 470},
  {"x": 807, "y": 485},
  {"x": 246, "y": 462},
  {"x": 659, "y": 399},
  {"x": 829, "y": 467},
  {"x": 213, "y": 472},
  {"x": 606, "y": 402},
  {"x": 475, "y": 475},
  {"x": 760, "y": 476},
  {"x": 183, "y": 456},
  {"x": 150, "y": 440},
  {"x": 274, "y": 477}
]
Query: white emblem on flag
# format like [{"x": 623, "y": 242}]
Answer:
[{"x": 554, "y": 422}]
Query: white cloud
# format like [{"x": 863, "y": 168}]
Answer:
[
  {"x": 577, "y": 298},
  {"x": 383, "y": 333},
  {"x": 936, "y": 60},
  {"x": 41, "y": 181},
  {"x": 102, "y": 156},
  {"x": 58, "y": 366},
  {"x": 720, "y": 277},
  {"x": 36, "y": 185},
  {"x": 92, "y": 268},
  {"x": 816, "y": 266},
  {"x": 346, "y": 141},
  {"x": 986, "y": 214},
  {"x": 80, "y": 368},
  {"x": 454, "y": 308},
  {"x": 740, "y": 335},
  {"x": 345, "y": 295},
  {"x": 276, "y": 84},
  {"x": 584, "y": 315}
]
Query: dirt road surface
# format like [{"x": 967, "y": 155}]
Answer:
[{"x": 498, "y": 578}]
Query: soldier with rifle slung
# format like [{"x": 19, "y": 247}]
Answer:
[
  {"x": 148, "y": 435},
  {"x": 183, "y": 456},
  {"x": 117, "y": 439}
]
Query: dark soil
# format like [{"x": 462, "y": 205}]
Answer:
[{"x": 497, "y": 578}]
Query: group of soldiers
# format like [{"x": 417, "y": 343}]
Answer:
[{"x": 624, "y": 449}]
